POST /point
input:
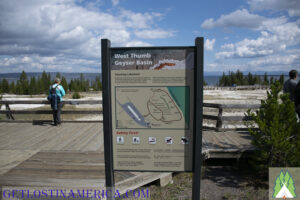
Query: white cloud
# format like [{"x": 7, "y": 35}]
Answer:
[
  {"x": 292, "y": 59},
  {"x": 209, "y": 44},
  {"x": 53, "y": 32},
  {"x": 115, "y": 2},
  {"x": 239, "y": 18},
  {"x": 292, "y": 6},
  {"x": 271, "y": 63},
  {"x": 154, "y": 34},
  {"x": 276, "y": 35},
  {"x": 54, "y": 63},
  {"x": 217, "y": 67},
  {"x": 137, "y": 44},
  {"x": 275, "y": 48},
  {"x": 139, "y": 20}
]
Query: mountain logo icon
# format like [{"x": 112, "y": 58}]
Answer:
[{"x": 284, "y": 186}]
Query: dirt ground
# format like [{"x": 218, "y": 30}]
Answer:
[{"x": 218, "y": 183}]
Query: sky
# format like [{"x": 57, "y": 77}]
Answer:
[{"x": 65, "y": 35}]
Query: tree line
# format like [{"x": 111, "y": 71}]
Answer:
[
  {"x": 238, "y": 78},
  {"x": 41, "y": 84}
]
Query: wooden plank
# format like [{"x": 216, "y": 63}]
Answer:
[
  {"x": 96, "y": 141},
  {"x": 42, "y": 182},
  {"x": 240, "y": 106},
  {"x": 65, "y": 167},
  {"x": 82, "y": 134},
  {"x": 212, "y": 117},
  {"x": 72, "y": 102},
  {"x": 51, "y": 112},
  {"x": 227, "y": 144},
  {"x": 40, "y": 122},
  {"x": 212, "y": 105},
  {"x": 237, "y": 118},
  {"x": 14, "y": 140},
  {"x": 93, "y": 134},
  {"x": 64, "y": 135},
  {"x": 11, "y": 158},
  {"x": 36, "y": 138}
]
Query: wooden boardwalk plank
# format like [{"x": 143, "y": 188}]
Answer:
[{"x": 12, "y": 158}]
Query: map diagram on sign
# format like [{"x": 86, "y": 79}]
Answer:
[{"x": 153, "y": 107}]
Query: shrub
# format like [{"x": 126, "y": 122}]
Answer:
[
  {"x": 76, "y": 95},
  {"x": 277, "y": 138}
]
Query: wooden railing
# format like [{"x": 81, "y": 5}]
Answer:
[
  {"x": 10, "y": 113},
  {"x": 219, "y": 118}
]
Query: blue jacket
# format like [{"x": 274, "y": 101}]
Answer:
[{"x": 59, "y": 91}]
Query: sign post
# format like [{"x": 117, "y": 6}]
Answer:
[
  {"x": 199, "y": 43},
  {"x": 152, "y": 109},
  {"x": 106, "y": 107}
]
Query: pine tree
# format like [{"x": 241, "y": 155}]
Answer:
[
  {"x": 5, "y": 86},
  {"x": 250, "y": 79},
  {"x": 291, "y": 186},
  {"x": 281, "y": 79},
  {"x": 64, "y": 83},
  {"x": 24, "y": 86},
  {"x": 286, "y": 178},
  {"x": 46, "y": 82},
  {"x": 277, "y": 187},
  {"x": 97, "y": 84},
  {"x": 281, "y": 178},
  {"x": 271, "y": 80},
  {"x": 266, "y": 81},
  {"x": 222, "y": 80},
  {"x": 277, "y": 138},
  {"x": 40, "y": 87},
  {"x": 58, "y": 75},
  {"x": 33, "y": 86},
  {"x": 12, "y": 87},
  {"x": 18, "y": 87},
  {"x": 0, "y": 98}
]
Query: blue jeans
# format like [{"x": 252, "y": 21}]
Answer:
[{"x": 56, "y": 114}]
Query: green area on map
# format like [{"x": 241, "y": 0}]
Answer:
[{"x": 181, "y": 95}]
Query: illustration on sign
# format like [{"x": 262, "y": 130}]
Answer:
[
  {"x": 284, "y": 186},
  {"x": 153, "y": 107}
]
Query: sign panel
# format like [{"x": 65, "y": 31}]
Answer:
[{"x": 152, "y": 100}]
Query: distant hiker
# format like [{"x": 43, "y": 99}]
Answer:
[
  {"x": 297, "y": 99},
  {"x": 56, "y": 93},
  {"x": 290, "y": 85}
]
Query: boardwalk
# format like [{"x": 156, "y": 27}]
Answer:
[{"x": 71, "y": 156}]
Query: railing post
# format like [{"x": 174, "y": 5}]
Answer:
[
  {"x": 220, "y": 120},
  {"x": 9, "y": 115}
]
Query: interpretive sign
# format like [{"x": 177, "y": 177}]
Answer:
[
  {"x": 152, "y": 109},
  {"x": 152, "y": 92}
]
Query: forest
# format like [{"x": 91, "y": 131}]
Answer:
[
  {"x": 238, "y": 78},
  {"x": 41, "y": 84}
]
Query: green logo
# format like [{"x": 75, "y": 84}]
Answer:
[{"x": 284, "y": 186}]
